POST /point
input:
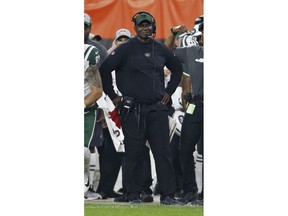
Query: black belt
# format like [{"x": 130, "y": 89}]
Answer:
[
  {"x": 197, "y": 98},
  {"x": 193, "y": 98}
]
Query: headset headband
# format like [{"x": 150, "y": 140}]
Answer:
[
  {"x": 153, "y": 19},
  {"x": 140, "y": 12}
]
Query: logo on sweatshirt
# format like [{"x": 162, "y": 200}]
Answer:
[
  {"x": 147, "y": 54},
  {"x": 201, "y": 60}
]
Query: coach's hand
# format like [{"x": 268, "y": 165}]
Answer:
[
  {"x": 165, "y": 99},
  {"x": 116, "y": 101}
]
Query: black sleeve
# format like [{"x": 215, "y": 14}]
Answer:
[
  {"x": 111, "y": 63},
  {"x": 174, "y": 65}
]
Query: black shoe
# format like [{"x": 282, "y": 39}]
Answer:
[
  {"x": 200, "y": 196},
  {"x": 104, "y": 195},
  {"x": 189, "y": 197},
  {"x": 123, "y": 198},
  {"x": 146, "y": 197},
  {"x": 197, "y": 202},
  {"x": 134, "y": 198},
  {"x": 135, "y": 201},
  {"x": 170, "y": 201},
  {"x": 114, "y": 195},
  {"x": 179, "y": 194}
]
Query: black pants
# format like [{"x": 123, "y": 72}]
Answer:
[
  {"x": 147, "y": 176},
  {"x": 146, "y": 172},
  {"x": 110, "y": 163},
  {"x": 154, "y": 127},
  {"x": 191, "y": 134},
  {"x": 175, "y": 152},
  {"x": 200, "y": 150}
]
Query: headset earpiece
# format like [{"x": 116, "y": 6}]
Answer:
[{"x": 153, "y": 27}]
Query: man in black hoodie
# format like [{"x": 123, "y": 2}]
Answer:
[{"x": 143, "y": 108}]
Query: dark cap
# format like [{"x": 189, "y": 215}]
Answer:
[
  {"x": 143, "y": 17},
  {"x": 94, "y": 37}
]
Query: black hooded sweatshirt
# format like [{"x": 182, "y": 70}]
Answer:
[{"x": 139, "y": 70}]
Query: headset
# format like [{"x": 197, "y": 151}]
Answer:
[{"x": 153, "y": 24}]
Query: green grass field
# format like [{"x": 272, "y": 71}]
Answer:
[{"x": 112, "y": 209}]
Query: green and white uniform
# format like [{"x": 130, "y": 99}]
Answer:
[{"x": 91, "y": 57}]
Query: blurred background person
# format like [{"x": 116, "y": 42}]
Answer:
[{"x": 192, "y": 127}]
